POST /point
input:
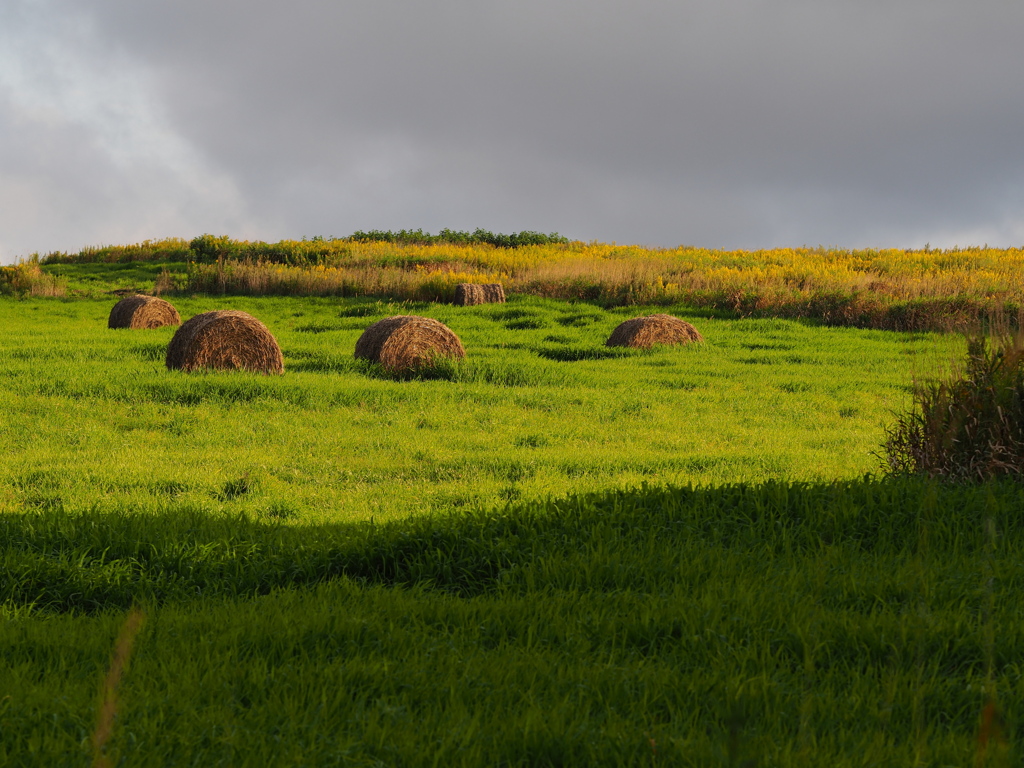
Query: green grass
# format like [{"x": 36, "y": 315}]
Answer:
[
  {"x": 856, "y": 623},
  {"x": 553, "y": 553},
  {"x": 539, "y": 408},
  {"x": 98, "y": 279}
]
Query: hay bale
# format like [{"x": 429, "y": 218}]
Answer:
[
  {"x": 408, "y": 342},
  {"x": 468, "y": 294},
  {"x": 494, "y": 293},
  {"x": 225, "y": 339},
  {"x": 645, "y": 332},
  {"x": 143, "y": 312}
]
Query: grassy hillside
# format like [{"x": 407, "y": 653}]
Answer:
[
  {"x": 540, "y": 407},
  {"x": 552, "y": 553}
]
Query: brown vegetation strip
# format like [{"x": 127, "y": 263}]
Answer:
[{"x": 891, "y": 289}]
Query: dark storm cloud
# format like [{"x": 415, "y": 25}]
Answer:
[
  {"x": 724, "y": 124},
  {"x": 84, "y": 156}
]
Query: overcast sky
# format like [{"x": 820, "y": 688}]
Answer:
[{"x": 718, "y": 123}]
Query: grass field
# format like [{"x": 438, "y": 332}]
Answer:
[
  {"x": 857, "y": 623},
  {"x": 554, "y": 553},
  {"x": 540, "y": 407}
]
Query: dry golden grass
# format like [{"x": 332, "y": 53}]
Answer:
[
  {"x": 28, "y": 279},
  {"x": 892, "y": 289}
]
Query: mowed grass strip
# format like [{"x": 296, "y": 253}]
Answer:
[
  {"x": 540, "y": 407},
  {"x": 847, "y": 623}
]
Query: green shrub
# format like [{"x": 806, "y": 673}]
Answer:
[
  {"x": 970, "y": 428},
  {"x": 27, "y": 279}
]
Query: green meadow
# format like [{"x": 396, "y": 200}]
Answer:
[
  {"x": 551, "y": 553},
  {"x": 540, "y": 408}
]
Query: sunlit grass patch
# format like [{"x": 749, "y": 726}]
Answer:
[
  {"x": 106, "y": 409},
  {"x": 551, "y": 552}
]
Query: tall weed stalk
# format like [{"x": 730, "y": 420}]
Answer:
[{"x": 106, "y": 712}]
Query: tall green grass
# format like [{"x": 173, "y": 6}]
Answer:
[
  {"x": 310, "y": 251},
  {"x": 857, "y": 623}
]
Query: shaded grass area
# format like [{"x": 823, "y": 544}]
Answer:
[
  {"x": 99, "y": 279},
  {"x": 630, "y": 539},
  {"x": 847, "y": 623}
]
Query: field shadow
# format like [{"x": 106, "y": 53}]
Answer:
[{"x": 64, "y": 561}]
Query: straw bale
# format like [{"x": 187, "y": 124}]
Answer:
[
  {"x": 494, "y": 293},
  {"x": 645, "y": 332},
  {"x": 467, "y": 294},
  {"x": 225, "y": 339},
  {"x": 407, "y": 342},
  {"x": 142, "y": 312}
]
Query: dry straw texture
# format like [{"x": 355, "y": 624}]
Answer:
[
  {"x": 494, "y": 293},
  {"x": 467, "y": 294},
  {"x": 645, "y": 332},
  {"x": 142, "y": 312},
  {"x": 223, "y": 340},
  {"x": 407, "y": 342}
]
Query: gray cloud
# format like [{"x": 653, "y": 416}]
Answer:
[{"x": 748, "y": 123}]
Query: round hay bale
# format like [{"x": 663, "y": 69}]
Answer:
[
  {"x": 645, "y": 332},
  {"x": 143, "y": 312},
  {"x": 223, "y": 340},
  {"x": 407, "y": 342}
]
